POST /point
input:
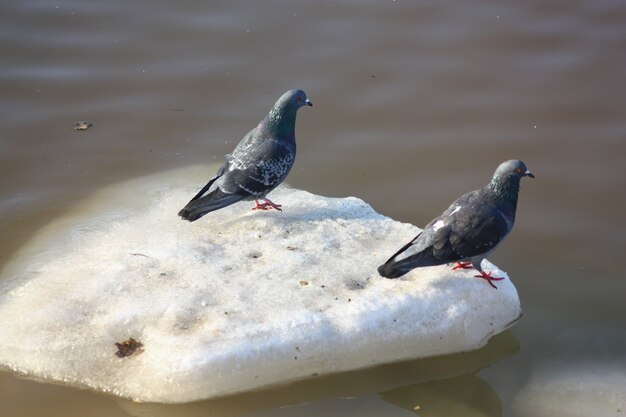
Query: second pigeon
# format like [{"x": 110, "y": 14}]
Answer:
[{"x": 468, "y": 230}]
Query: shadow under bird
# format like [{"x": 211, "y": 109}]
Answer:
[
  {"x": 468, "y": 230},
  {"x": 259, "y": 163}
]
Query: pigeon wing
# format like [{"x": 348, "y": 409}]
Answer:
[
  {"x": 475, "y": 228},
  {"x": 471, "y": 226},
  {"x": 259, "y": 170}
]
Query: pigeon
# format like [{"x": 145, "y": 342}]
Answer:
[
  {"x": 258, "y": 164},
  {"x": 468, "y": 230}
]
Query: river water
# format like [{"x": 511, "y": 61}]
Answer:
[{"x": 415, "y": 103}]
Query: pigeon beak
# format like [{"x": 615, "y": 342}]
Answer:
[
  {"x": 308, "y": 102},
  {"x": 529, "y": 174}
]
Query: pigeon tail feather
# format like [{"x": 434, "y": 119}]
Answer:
[
  {"x": 395, "y": 269},
  {"x": 391, "y": 270},
  {"x": 214, "y": 201}
]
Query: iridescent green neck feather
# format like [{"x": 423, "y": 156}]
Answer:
[
  {"x": 505, "y": 190},
  {"x": 281, "y": 121}
]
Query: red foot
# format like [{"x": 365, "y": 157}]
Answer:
[
  {"x": 462, "y": 265},
  {"x": 266, "y": 205},
  {"x": 487, "y": 276}
]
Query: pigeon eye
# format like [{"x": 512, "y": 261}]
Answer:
[{"x": 518, "y": 170}]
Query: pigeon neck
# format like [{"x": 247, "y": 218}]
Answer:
[
  {"x": 281, "y": 122},
  {"x": 505, "y": 191}
]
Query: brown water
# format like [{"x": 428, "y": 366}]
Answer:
[{"x": 415, "y": 103}]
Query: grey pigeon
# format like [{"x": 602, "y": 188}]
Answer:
[
  {"x": 258, "y": 164},
  {"x": 468, "y": 230}
]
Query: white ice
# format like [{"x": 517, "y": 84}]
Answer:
[{"x": 235, "y": 301}]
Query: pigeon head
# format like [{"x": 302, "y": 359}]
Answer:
[
  {"x": 513, "y": 168},
  {"x": 281, "y": 120},
  {"x": 505, "y": 183},
  {"x": 293, "y": 99}
]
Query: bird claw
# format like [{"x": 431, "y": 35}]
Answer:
[
  {"x": 462, "y": 265},
  {"x": 267, "y": 205},
  {"x": 487, "y": 276}
]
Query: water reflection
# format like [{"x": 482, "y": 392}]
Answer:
[
  {"x": 445, "y": 384},
  {"x": 463, "y": 396}
]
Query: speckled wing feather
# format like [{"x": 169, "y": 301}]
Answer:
[{"x": 258, "y": 168}]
